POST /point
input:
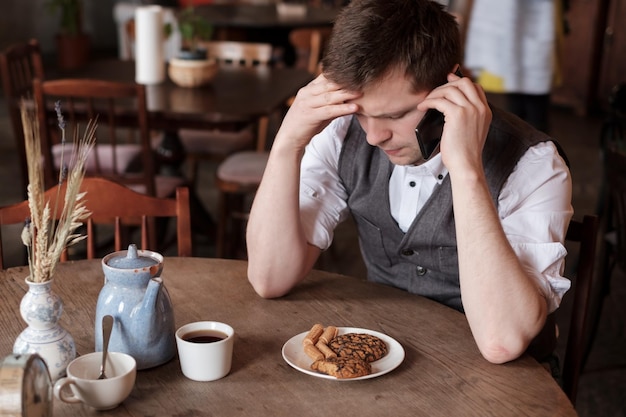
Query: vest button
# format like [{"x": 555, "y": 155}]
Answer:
[
  {"x": 412, "y": 184},
  {"x": 407, "y": 252},
  {"x": 421, "y": 270}
]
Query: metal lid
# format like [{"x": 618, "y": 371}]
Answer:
[{"x": 25, "y": 386}]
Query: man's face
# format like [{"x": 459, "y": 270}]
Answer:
[{"x": 388, "y": 114}]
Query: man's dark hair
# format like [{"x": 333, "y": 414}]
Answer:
[{"x": 372, "y": 37}]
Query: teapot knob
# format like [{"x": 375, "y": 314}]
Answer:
[
  {"x": 132, "y": 251},
  {"x": 132, "y": 259}
]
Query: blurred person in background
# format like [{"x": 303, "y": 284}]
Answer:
[{"x": 511, "y": 50}]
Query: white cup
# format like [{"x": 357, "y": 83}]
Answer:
[
  {"x": 205, "y": 350},
  {"x": 101, "y": 394}
]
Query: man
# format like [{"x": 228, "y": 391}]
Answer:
[{"x": 479, "y": 226}]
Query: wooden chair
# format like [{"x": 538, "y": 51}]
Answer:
[
  {"x": 19, "y": 65},
  {"x": 614, "y": 225},
  {"x": 217, "y": 144},
  {"x": 123, "y": 151},
  {"x": 585, "y": 233},
  {"x": 114, "y": 204},
  {"x": 611, "y": 203},
  {"x": 239, "y": 175},
  {"x": 613, "y": 196},
  {"x": 613, "y": 235},
  {"x": 309, "y": 44}
]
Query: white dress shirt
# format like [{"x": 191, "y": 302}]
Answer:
[{"x": 534, "y": 205}]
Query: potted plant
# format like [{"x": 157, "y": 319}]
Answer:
[
  {"x": 72, "y": 43},
  {"x": 193, "y": 67},
  {"x": 193, "y": 29}
]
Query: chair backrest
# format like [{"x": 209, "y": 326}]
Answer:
[
  {"x": 246, "y": 54},
  {"x": 309, "y": 44},
  {"x": 19, "y": 65},
  {"x": 114, "y": 204},
  {"x": 585, "y": 233},
  {"x": 615, "y": 207},
  {"x": 123, "y": 151}
]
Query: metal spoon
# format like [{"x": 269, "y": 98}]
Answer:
[{"x": 107, "y": 326}]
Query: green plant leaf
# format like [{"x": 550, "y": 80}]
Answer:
[
  {"x": 193, "y": 28},
  {"x": 70, "y": 14}
]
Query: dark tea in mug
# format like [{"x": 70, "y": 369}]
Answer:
[{"x": 204, "y": 336}]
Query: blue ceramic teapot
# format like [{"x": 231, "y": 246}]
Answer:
[{"x": 134, "y": 294}]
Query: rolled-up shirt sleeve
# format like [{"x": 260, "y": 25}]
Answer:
[
  {"x": 534, "y": 206},
  {"x": 535, "y": 210},
  {"x": 322, "y": 195}
]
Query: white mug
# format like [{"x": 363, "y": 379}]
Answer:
[
  {"x": 101, "y": 394},
  {"x": 205, "y": 350}
]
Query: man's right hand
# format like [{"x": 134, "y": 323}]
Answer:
[{"x": 315, "y": 106}]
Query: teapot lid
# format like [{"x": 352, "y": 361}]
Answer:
[{"x": 131, "y": 259}]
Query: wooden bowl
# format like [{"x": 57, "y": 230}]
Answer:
[{"x": 192, "y": 72}]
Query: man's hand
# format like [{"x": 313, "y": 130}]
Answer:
[
  {"x": 467, "y": 120},
  {"x": 314, "y": 107}
]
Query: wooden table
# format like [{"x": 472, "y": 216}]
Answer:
[
  {"x": 443, "y": 374},
  {"x": 235, "y": 94},
  {"x": 264, "y": 16},
  {"x": 235, "y": 97},
  {"x": 262, "y": 23}
]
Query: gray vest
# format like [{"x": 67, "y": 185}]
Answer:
[{"x": 423, "y": 260}]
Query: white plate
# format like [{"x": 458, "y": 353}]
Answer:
[{"x": 294, "y": 355}]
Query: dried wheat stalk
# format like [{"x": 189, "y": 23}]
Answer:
[{"x": 43, "y": 235}]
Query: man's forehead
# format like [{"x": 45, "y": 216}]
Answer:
[{"x": 389, "y": 98}]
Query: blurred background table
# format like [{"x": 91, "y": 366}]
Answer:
[
  {"x": 264, "y": 16},
  {"x": 262, "y": 23},
  {"x": 443, "y": 373},
  {"x": 236, "y": 96}
]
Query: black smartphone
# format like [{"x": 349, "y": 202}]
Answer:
[{"x": 429, "y": 130}]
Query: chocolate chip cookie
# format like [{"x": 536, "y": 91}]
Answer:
[
  {"x": 348, "y": 367},
  {"x": 366, "y": 347}
]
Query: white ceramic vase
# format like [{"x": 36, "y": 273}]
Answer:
[{"x": 41, "y": 309}]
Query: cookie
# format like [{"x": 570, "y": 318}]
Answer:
[
  {"x": 313, "y": 335},
  {"x": 313, "y": 352},
  {"x": 342, "y": 367},
  {"x": 366, "y": 347}
]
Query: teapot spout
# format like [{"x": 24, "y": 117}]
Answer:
[
  {"x": 152, "y": 292},
  {"x": 152, "y": 326},
  {"x": 146, "y": 315}
]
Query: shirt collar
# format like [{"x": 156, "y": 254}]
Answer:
[{"x": 433, "y": 167}]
